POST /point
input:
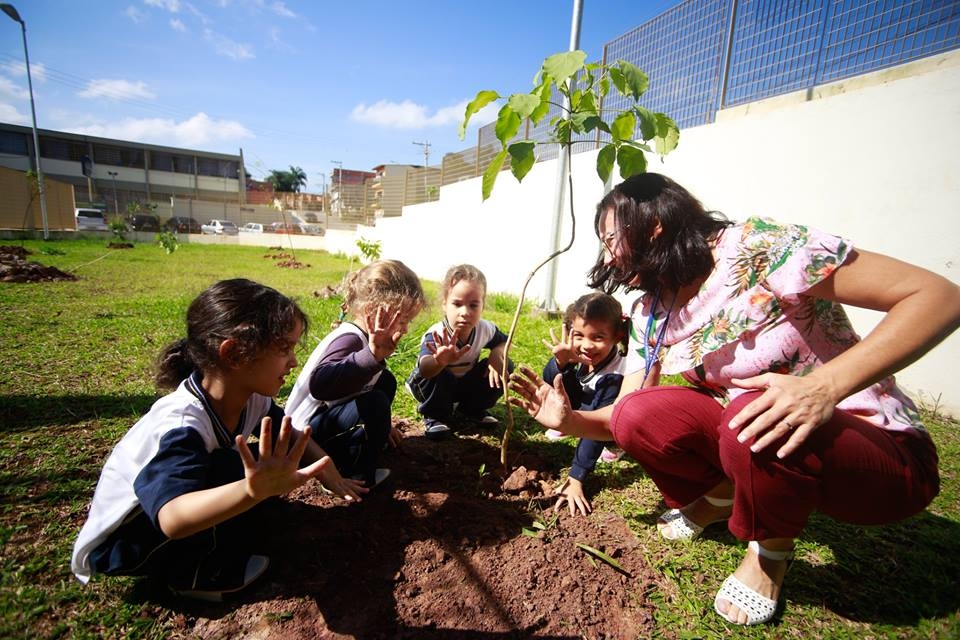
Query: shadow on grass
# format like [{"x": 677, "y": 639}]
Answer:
[
  {"x": 895, "y": 574},
  {"x": 21, "y": 413}
]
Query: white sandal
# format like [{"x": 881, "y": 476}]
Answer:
[
  {"x": 759, "y": 609},
  {"x": 683, "y": 528}
]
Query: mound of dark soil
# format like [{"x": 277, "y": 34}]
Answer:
[
  {"x": 14, "y": 267},
  {"x": 437, "y": 551}
]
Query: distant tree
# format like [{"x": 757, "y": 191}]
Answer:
[{"x": 287, "y": 181}]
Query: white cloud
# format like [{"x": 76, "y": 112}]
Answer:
[
  {"x": 135, "y": 14},
  {"x": 9, "y": 89},
  {"x": 280, "y": 8},
  {"x": 173, "y": 6},
  {"x": 9, "y": 113},
  {"x": 198, "y": 132},
  {"x": 178, "y": 25},
  {"x": 227, "y": 47},
  {"x": 117, "y": 89},
  {"x": 38, "y": 72},
  {"x": 410, "y": 115}
]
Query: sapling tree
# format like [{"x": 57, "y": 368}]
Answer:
[{"x": 582, "y": 88}]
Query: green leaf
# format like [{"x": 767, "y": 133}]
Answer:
[
  {"x": 561, "y": 66},
  {"x": 490, "y": 173},
  {"x": 588, "y": 103},
  {"x": 631, "y": 161},
  {"x": 522, "y": 158},
  {"x": 648, "y": 122},
  {"x": 616, "y": 76},
  {"x": 524, "y": 104},
  {"x": 636, "y": 81},
  {"x": 637, "y": 145},
  {"x": 593, "y": 121},
  {"x": 668, "y": 134},
  {"x": 508, "y": 123},
  {"x": 602, "y": 556},
  {"x": 483, "y": 99},
  {"x": 624, "y": 126},
  {"x": 530, "y": 532},
  {"x": 605, "y": 160},
  {"x": 603, "y": 87}
]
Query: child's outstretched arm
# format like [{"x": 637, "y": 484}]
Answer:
[
  {"x": 442, "y": 350},
  {"x": 495, "y": 365},
  {"x": 330, "y": 477},
  {"x": 275, "y": 473}
]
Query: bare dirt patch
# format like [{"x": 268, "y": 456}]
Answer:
[
  {"x": 437, "y": 551},
  {"x": 14, "y": 267}
]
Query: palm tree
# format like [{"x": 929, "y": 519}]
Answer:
[{"x": 298, "y": 178}]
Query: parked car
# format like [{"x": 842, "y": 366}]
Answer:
[
  {"x": 90, "y": 220},
  {"x": 182, "y": 224},
  {"x": 279, "y": 227},
  {"x": 143, "y": 222},
  {"x": 311, "y": 229},
  {"x": 252, "y": 227},
  {"x": 220, "y": 228}
]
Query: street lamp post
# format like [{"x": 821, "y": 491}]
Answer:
[
  {"x": 12, "y": 12},
  {"x": 323, "y": 201},
  {"x": 113, "y": 176}
]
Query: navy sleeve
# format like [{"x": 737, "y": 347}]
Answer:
[
  {"x": 607, "y": 390},
  {"x": 181, "y": 466},
  {"x": 585, "y": 459},
  {"x": 344, "y": 369}
]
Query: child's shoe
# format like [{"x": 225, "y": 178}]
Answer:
[
  {"x": 553, "y": 434},
  {"x": 436, "y": 429},
  {"x": 482, "y": 418},
  {"x": 611, "y": 454},
  {"x": 379, "y": 475},
  {"x": 215, "y": 577}
]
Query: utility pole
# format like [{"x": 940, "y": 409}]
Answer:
[
  {"x": 339, "y": 186},
  {"x": 426, "y": 151},
  {"x": 113, "y": 176}
]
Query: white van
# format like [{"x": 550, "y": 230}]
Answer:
[{"x": 90, "y": 220}]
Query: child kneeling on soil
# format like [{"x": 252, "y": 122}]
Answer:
[
  {"x": 449, "y": 369},
  {"x": 345, "y": 391},
  {"x": 179, "y": 497},
  {"x": 590, "y": 359}
]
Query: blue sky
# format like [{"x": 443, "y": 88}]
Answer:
[{"x": 290, "y": 82}]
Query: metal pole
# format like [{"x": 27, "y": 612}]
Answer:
[
  {"x": 116, "y": 207},
  {"x": 339, "y": 186},
  {"x": 549, "y": 294},
  {"x": 12, "y": 12}
]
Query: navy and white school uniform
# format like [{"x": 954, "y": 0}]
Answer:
[
  {"x": 588, "y": 391},
  {"x": 180, "y": 446},
  {"x": 463, "y": 381},
  {"x": 345, "y": 395}
]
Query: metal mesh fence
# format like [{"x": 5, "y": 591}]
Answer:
[{"x": 704, "y": 55}]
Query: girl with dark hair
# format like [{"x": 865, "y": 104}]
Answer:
[
  {"x": 590, "y": 358},
  {"x": 178, "y": 497},
  {"x": 789, "y": 411}
]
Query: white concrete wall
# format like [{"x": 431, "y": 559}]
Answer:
[{"x": 874, "y": 159}]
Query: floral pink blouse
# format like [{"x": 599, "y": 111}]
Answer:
[{"x": 751, "y": 317}]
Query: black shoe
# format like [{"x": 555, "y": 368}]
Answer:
[
  {"x": 379, "y": 475},
  {"x": 436, "y": 429},
  {"x": 483, "y": 418},
  {"x": 211, "y": 583}
]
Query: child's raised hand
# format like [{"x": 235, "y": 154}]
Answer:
[
  {"x": 563, "y": 349},
  {"x": 384, "y": 330},
  {"x": 277, "y": 471},
  {"x": 444, "y": 348}
]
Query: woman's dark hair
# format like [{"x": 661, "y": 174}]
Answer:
[
  {"x": 254, "y": 315},
  {"x": 599, "y": 307},
  {"x": 678, "y": 256}
]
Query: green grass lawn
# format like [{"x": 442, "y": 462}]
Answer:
[{"x": 77, "y": 372}]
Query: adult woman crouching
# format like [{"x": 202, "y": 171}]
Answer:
[{"x": 789, "y": 411}]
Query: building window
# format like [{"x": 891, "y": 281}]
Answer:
[
  {"x": 60, "y": 149},
  {"x": 13, "y": 143},
  {"x": 118, "y": 156}
]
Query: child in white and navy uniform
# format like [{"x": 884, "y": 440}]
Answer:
[
  {"x": 590, "y": 359},
  {"x": 449, "y": 369},
  {"x": 345, "y": 391},
  {"x": 178, "y": 496}
]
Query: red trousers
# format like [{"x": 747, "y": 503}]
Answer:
[{"x": 847, "y": 468}]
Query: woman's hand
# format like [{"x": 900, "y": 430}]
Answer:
[
  {"x": 571, "y": 493},
  {"x": 791, "y": 405},
  {"x": 444, "y": 348},
  {"x": 277, "y": 471},
  {"x": 548, "y": 405}
]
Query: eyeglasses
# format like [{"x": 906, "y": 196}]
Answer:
[{"x": 610, "y": 240}]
